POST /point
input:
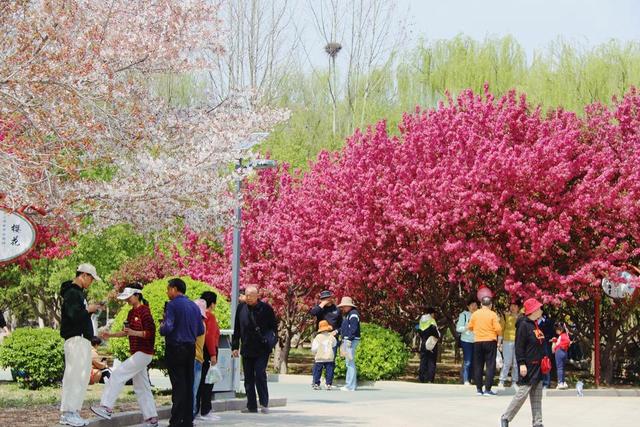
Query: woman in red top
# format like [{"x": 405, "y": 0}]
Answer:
[
  {"x": 141, "y": 330},
  {"x": 560, "y": 347}
]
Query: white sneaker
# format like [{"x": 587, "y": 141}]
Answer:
[
  {"x": 264, "y": 409},
  {"x": 345, "y": 389},
  {"x": 209, "y": 417},
  {"x": 102, "y": 411},
  {"x": 501, "y": 384},
  {"x": 467, "y": 383},
  {"x": 71, "y": 419}
]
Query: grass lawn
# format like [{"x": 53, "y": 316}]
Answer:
[{"x": 20, "y": 407}]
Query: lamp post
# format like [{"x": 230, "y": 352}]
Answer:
[{"x": 254, "y": 138}]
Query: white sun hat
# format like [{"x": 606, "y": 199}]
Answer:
[
  {"x": 90, "y": 270},
  {"x": 127, "y": 292}
]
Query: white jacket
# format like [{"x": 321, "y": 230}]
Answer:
[{"x": 322, "y": 346}]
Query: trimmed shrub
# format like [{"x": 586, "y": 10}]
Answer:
[
  {"x": 381, "y": 354},
  {"x": 36, "y": 356},
  {"x": 156, "y": 293}
]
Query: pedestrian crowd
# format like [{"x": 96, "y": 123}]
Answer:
[
  {"x": 520, "y": 345},
  {"x": 191, "y": 336}
]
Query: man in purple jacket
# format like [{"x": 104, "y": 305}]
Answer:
[{"x": 181, "y": 325}]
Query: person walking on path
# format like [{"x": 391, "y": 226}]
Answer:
[
  {"x": 350, "y": 332},
  {"x": 323, "y": 347},
  {"x": 507, "y": 346},
  {"x": 77, "y": 330},
  {"x": 141, "y": 330},
  {"x": 256, "y": 329},
  {"x": 547, "y": 326},
  {"x": 429, "y": 338},
  {"x": 466, "y": 340},
  {"x": 560, "y": 348},
  {"x": 211, "y": 340},
  {"x": 181, "y": 325},
  {"x": 529, "y": 353},
  {"x": 486, "y": 328}
]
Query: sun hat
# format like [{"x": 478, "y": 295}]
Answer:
[
  {"x": 346, "y": 302},
  {"x": 127, "y": 292},
  {"x": 202, "y": 305},
  {"x": 324, "y": 326},
  {"x": 531, "y": 305},
  {"x": 326, "y": 294},
  {"x": 90, "y": 270}
]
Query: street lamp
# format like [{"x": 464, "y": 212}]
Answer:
[{"x": 247, "y": 144}]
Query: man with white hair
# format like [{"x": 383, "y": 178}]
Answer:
[
  {"x": 77, "y": 330},
  {"x": 257, "y": 329}
]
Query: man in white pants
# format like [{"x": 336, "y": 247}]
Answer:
[{"x": 77, "y": 330}]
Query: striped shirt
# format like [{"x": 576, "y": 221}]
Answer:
[{"x": 140, "y": 319}]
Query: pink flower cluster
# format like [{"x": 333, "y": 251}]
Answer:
[{"x": 477, "y": 190}]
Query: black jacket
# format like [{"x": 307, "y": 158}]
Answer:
[
  {"x": 529, "y": 350},
  {"x": 245, "y": 330},
  {"x": 75, "y": 319},
  {"x": 330, "y": 313}
]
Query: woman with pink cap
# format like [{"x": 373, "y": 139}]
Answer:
[{"x": 529, "y": 349}]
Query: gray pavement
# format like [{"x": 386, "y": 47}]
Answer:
[{"x": 410, "y": 404}]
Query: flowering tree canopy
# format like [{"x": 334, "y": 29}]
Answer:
[
  {"x": 476, "y": 191},
  {"x": 83, "y": 128}
]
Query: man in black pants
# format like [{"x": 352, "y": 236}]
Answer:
[
  {"x": 486, "y": 327},
  {"x": 181, "y": 326},
  {"x": 256, "y": 326}
]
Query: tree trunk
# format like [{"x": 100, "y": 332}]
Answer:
[{"x": 283, "y": 361}]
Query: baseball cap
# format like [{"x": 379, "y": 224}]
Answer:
[
  {"x": 90, "y": 270},
  {"x": 127, "y": 292}
]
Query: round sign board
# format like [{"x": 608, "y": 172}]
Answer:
[
  {"x": 621, "y": 288},
  {"x": 17, "y": 235}
]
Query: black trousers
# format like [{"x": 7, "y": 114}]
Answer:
[
  {"x": 484, "y": 352},
  {"x": 427, "y": 372},
  {"x": 205, "y": 391},
  {"x": 255, "y": 377},
  {"x": 180, "y": 359}
]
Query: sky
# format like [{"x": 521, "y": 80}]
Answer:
[{"x": 534, "y": 23}]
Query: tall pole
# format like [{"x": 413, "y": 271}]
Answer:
[
  {"x": 596, "y": 339},
  {"x": 235, "y": 263}
]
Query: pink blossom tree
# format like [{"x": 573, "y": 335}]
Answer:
[{"x": 476, "y": 191}]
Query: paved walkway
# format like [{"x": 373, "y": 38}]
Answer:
[{"x": 409, "y": 404}]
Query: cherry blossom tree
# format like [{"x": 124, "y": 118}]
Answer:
[{"x": 85, "y": 131}]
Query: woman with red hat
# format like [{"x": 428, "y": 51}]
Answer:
[{"x": 529, "y": 355}]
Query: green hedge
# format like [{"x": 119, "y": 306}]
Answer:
[
  {"x": 156, "y": 293},
  {"x": 36, "y": 356},
  {"x": 381, "y": 354}
]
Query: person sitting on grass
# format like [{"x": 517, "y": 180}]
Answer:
[
  {"x": 141, "y": 330},
  {"x": 100, "y": 371},
  {"x": 323, "y": 347}
]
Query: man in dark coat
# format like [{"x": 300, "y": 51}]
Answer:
[{"x": 255, "y": 328}]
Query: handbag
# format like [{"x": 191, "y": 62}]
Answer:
[
  {"x": 269, "y": 338},
  {"x": 214, "y": 375},
  {"x": 431, "y": 342},
  {"x": 499, "y": 361},
  {"x": 545, "y": 365}
]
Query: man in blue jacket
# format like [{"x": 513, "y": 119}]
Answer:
[
  {"x": 350, "y": 332},
  {"x": 181, "y": 325}
]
